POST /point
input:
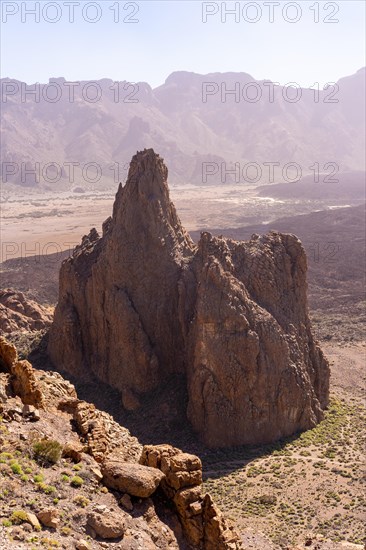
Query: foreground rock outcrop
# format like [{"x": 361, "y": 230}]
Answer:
[
  {"x": 147, "y": 497},
  {"x": 142, "y": 303},
  {"x": 203, "y": 524}
]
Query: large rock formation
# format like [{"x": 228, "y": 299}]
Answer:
[{"x": 143, "y": 303}]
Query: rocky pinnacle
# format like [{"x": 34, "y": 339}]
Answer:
[{"x": 142, "y": 303}]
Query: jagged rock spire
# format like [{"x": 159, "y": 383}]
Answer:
[{"x": 143, "y": 304}]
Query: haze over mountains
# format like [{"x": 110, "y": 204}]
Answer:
[{"x": 191, "y": 119}]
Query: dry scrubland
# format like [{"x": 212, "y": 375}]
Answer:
[{"x": 312, "y": 485}]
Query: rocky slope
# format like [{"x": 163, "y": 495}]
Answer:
[
  {"x": 142, "y": 303},
  {"x": 19, "y": 313},
  {"x": 72, "y": 477}
]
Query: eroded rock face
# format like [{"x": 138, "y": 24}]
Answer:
[
  {"x": 254, "y": 371},
  {"x": 23, "y": 381},
  {"x": 203, "y": 524},
  {"x": 142, "y": 303}
]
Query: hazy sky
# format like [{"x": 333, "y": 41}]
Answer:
[{"x": 171, "y": 35}]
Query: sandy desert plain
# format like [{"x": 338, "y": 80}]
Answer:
[{"x": 302, "y": 491}]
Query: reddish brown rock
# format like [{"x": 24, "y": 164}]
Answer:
[
  {"x": 50, "y": 517},
  {"x": 8, "y": 355},
  {"x": 255, "y": 373},
  {"x": 18, "y": 313},
  {"x": 108, "y": 525},
  {"x": 135, "y": 479},
  {"x": 73, "y": 450},
  {"x": 25, "y": 384},
  {"x": 203, "y": 524},
  {"x": 142, "y": 303}
]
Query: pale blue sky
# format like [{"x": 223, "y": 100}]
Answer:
[{"x": 171, "y": 36}]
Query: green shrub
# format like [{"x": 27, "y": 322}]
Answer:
[
  {"x": 47, "y": 489},
  {"x": 82, "y": 501},
  {"x": 6, "y": 523},
  {"x": 5, "y": 456},
  {"x": 16, "y": 468},
  {"x": 47, "y": 451},
  {"x": 19, "y": 516},
  {"x": 38, "y": 478},
  {"x": 76, "y": 481}
]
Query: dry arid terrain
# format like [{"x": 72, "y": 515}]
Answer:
[{"x": 304, "y": 492}]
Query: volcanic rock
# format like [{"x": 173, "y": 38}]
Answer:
[
  {"x": 156, "y": 522},
  {"x": 50, "y": 517},
  {"x": 135, "y": 479},
  {"x": 18, "y": 313},
  {"x": 143, "y": 303},
  {"x": 108, "y": 525},
  {"x": 203, "y": 524}
]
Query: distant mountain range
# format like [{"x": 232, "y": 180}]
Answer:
[{"x": 213, "y": 128}]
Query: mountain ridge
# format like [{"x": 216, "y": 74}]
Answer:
[{"x": 191, "y": 118}]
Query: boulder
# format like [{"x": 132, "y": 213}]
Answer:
[
  {"x": 31, "y": 413},
  {"x": 134, "y": 479},
  {"x": 125, "y": 502},
  {"x": 73, "y": 450},
  {"x": 108, "y": 524},
  {"x": 82, "y": 545},
  {"x": 203, "y": 524},
  {"x": 50, "y": 517},
  {"x": 33, "y": 521},
  {"x": 26, "y": 385}
]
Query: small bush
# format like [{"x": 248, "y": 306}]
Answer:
[
  {"x": 38, "y": 478},
  {"x": 82, "y": 501},
  {"x": 5, "y": 456},
  {"x": 47, "y": 489},
  {"x": 19, "y": 516},
  {"x": 6, "y": 523},
  {"x": 76, "y": 481},
  {"x": 16, "y": 468},
  {"x": 47, "y": 451},
  {"x": 51, "y": 543}
]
